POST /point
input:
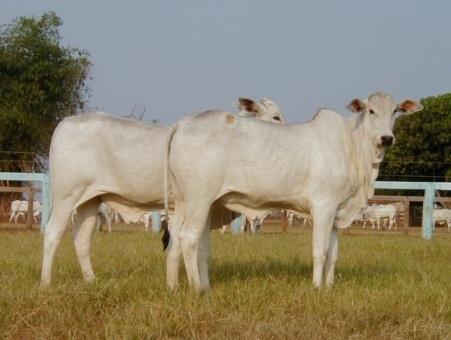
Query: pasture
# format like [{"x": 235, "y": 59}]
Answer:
[{"x": 387, "y": 286}]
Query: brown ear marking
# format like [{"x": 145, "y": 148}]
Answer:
[
  {"x": 407, "y": 105},
  {"x": 248, "y": 104},
  {"x": 356, "y": 105}
]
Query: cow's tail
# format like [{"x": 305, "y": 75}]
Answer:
[{"x": 166, "y": 235}]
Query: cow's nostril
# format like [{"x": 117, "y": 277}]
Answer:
[{"x": 387, "y": 140}]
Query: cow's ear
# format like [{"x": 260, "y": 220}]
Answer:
[
  {"x": 356, "y": 105},
  {"x": 248, "y": 105},
  {"x": 409, "y": 106}
]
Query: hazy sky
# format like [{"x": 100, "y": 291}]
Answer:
[{"x": 175, "y": 57}]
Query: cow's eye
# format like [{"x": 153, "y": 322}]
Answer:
[
  {"x": 371, "y": 111},
  {"x": 276, "y": 118},
  {"x": 394, "y": 112}
]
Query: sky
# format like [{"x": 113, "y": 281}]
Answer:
[{"x": 175, "y": 57}]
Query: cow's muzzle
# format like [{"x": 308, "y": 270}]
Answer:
[{"x": 386, "y": 140}]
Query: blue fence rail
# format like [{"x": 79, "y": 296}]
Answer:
[
  {"x": 427, "y": 226},
  {"x": 428, "y": 201}
]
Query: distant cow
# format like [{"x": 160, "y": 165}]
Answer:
[
  {"x": 291, "y": 216},
  {"x": 107, "y": 214},
  {"x": 326, "y": 167},
  {"x": 377, "y": 212},
  {"x": 442, "y": 216},
  {"x": 98, "y": 158},
  {"x": 146, "y": 219},
  {"x": 20, "y": 208}
]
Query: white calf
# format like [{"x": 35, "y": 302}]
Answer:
[
  {"x": 20, "y": 208},
  {"x": 442, "y": 216}
]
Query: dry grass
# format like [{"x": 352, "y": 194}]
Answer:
[{"x": 387, "y": 287}]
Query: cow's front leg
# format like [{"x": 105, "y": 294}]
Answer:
[
  {"x": 332, "y": 255},
  {"x": 323, "y": 219}
]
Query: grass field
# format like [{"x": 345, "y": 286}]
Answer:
[{"x": 387, "y": 287}]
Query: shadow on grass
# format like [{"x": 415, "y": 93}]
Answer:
[{"x": 295, "y": 268}]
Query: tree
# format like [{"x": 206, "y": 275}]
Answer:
[
  {"x": 41, "y": 82},
  {"x": 422, "y": 151}
]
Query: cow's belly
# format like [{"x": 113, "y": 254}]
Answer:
[
  {"x": 130, "y": 210},
  {"x": 257, "y": 206}
]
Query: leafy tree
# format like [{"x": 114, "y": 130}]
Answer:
[
  {"x": 422, "y": 151},
  {"x": 41, "y": 82}
]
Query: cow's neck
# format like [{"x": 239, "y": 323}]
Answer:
[{"x": 366, "y": 156}]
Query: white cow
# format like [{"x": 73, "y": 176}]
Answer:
[
  {"x": 265, "y": 110},
  {"x": 147, "y": 217},
  {"x": 20, "y": 208},
  {"x": 107, "y": 214},
  {"x": 377, "y": 212},
  {"x": 104, "y": 212},
  {"x": 98, "y": 158},
  {"x": 442, "y": 216},
  {"x": 291, "y": 216},
  {"x": 325, "y": 167}
]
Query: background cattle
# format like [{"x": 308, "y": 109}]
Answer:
[
  {"x": 380, "y": 212},
  {"x": 442, "y": 216},
  {"x": 20, "y": 208}
]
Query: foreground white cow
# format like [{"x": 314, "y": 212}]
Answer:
[
  {"x": 20, "y": 208},
  {"x": 325, "y": 167},
  {"x": 442, "y": 216},
  {"x": 98, "y": 158}
]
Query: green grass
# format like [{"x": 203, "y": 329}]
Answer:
[{"x": 387, "y": 287}]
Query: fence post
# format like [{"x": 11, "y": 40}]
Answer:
[
  {"x": 428, "y": 207},
  {"x": 46, "y": 201},
  {"x": 156, "y": 221},
  {"x": 30, "y": 208},
  {"x": 405, "y": 229},
  {"x": 236, "y": 225}
]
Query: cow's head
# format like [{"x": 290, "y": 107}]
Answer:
[
  {"x": 265, "y": 109},
  {"x": 379, "y": 112}
]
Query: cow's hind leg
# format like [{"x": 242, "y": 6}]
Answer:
[
  {"x": 81, "y": 232},
  {"x": 54, "y": 231},
  {"x": 194, "y": 224},
  {"x": 204, "y": 258},
  {"x": 174, "y": 250},
  {"x": 11, "y": 217}
]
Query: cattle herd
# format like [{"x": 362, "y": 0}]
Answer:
[{"x": 209, "y": 167}]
